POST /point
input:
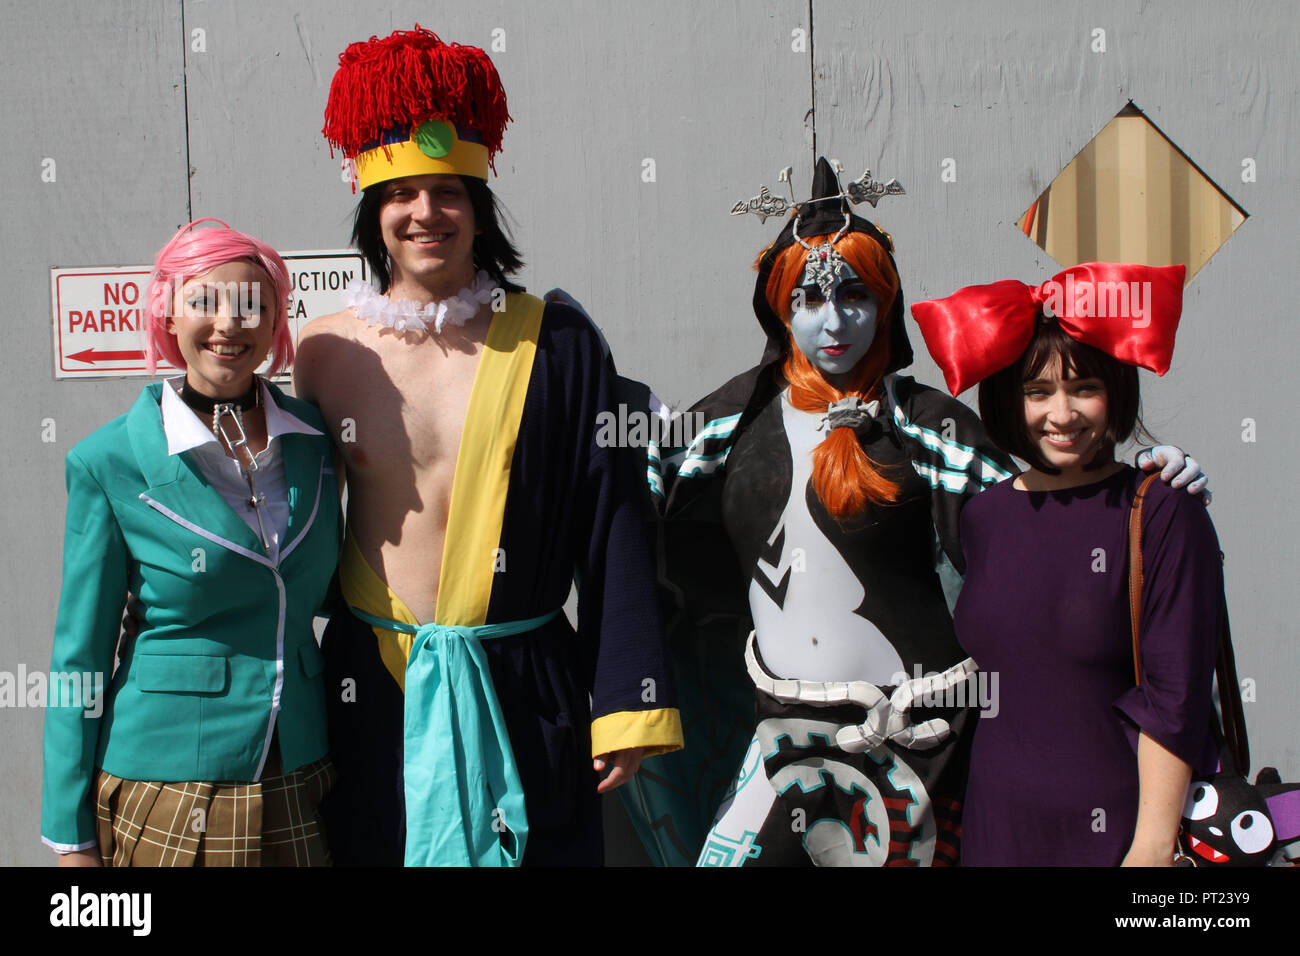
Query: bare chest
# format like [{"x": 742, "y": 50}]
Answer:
[{"x": 409, "y": 413}]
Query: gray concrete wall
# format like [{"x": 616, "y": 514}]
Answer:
[{"x": 719, "y": 98}]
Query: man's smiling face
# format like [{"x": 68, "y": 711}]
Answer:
[{"x": 427, "y": 224}]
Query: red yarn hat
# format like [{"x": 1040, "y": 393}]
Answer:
[{"x": 409, "y": 104}]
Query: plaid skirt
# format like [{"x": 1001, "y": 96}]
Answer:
[{"x": 195, "y": 823}]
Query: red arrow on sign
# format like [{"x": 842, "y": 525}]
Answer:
[{"x": 91, "y": 355}]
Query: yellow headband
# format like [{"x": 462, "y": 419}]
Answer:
[{"x": 434, "y": 147}]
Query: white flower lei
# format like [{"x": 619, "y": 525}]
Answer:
[{"x": 401, "y": 315}]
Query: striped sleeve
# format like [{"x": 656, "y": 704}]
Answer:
[
  {"x": 950, "y": 451},
  {"x": 696, "y": 447}
]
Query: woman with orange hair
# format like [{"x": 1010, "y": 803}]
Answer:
[{"x": 810, "y": 531}]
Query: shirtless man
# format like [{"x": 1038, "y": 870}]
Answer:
[
  {"x": 464, "y": 412},
  {"x": 397, "y": 511}
]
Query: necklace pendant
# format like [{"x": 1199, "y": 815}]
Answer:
[
  {"x": 220, "y": 411},
  {"x": 256, "y": 500}
]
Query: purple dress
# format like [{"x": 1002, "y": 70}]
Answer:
[{"x": 1044, "y": 611}]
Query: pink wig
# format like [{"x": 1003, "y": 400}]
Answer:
[{"x": 192, "y": 252}]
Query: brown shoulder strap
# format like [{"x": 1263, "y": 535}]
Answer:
[
  {"x": 1233, "y": 718},
  {"x": 1135, "y": 572}
]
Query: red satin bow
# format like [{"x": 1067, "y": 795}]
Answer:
[{"x": 1130, "y": 312}]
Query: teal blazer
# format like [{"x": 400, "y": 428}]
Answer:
[{"x": 226, "y": 652}]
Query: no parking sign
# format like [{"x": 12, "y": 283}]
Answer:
[{"x": 99, "y": 311}]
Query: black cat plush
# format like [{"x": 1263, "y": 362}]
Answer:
[{"x": 1229, "y": 822}]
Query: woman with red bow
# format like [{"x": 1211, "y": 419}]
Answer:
[{"x": 1075, "y": 763}]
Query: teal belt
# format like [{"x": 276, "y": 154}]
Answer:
[{"x": 464, "y": 801}]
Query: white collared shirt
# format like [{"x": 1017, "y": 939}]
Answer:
[{"x": 185, "y": 431}]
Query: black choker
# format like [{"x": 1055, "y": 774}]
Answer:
[{"x": 205, "y": 406}]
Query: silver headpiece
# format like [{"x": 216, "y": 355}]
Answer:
[
  {"x": 866, "y": 189},
  {"x": 762, "y": 205},
  {"x": 823, "y": 265}
]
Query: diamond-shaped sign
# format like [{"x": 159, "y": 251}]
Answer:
[{"x": 1131, "y": 195}]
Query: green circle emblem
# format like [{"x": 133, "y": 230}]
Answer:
[{"x": 435, "y": 138}]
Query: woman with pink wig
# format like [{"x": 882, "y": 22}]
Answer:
[{"x": 214, "y": 500}]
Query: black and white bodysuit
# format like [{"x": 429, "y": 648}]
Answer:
[{"x": 842, "y": 616}]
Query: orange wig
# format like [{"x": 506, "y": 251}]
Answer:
[{"x": 844, "y": 478}]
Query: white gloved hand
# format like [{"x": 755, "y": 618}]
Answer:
[{"x": 1177, "y": 469}]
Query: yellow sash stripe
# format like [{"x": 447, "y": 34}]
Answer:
[
  {"x": 659, "y": 731},
  {"x": 487, "y": 446},
  {"x": 364, "y": 589}
]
